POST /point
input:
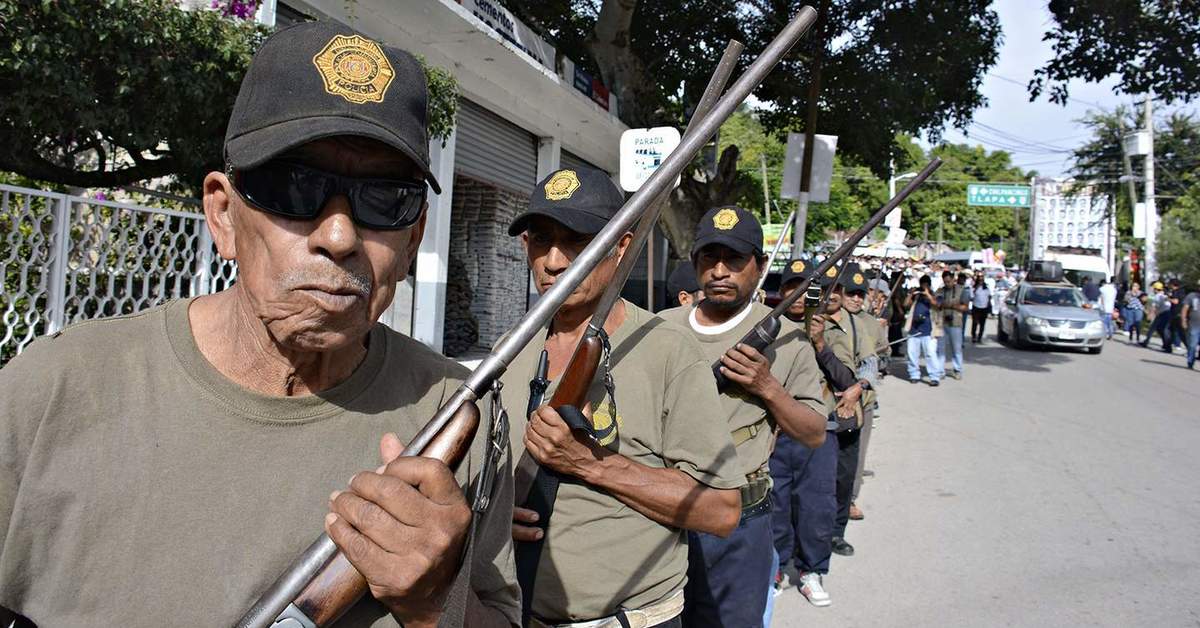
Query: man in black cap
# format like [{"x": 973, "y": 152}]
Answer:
[
  {"x": 161, "y": 469},
  {"x": 851, "y": 343},
  {"x": 729, "y": 579},
  {"x": 803, "y": 492},
  {"x": 682, "y": 286},
  {"x": 611, "y": 552}
]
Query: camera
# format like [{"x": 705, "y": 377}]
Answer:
[{"x": 812, "y": 296}]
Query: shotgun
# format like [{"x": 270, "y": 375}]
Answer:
[
  {"x": 329, "y": 583},
  {"x": 571, "y": 395},
  {"x": 767, "y": 330}
]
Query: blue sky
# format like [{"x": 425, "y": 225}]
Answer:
[{"x": 1042, "y": 132}]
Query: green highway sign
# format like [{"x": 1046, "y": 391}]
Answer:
[{"x": 997, "y": 195}]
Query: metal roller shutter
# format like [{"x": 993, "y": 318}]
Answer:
[{"x": 490, "y": 148}]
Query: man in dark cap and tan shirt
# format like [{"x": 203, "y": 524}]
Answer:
[
  {"x": 161, "y": 469},
  {"x": 729, "y": 579},
  {"x": 613, "y": 551}
]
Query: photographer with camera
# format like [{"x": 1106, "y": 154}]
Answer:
[{"x": 921, "y": 343}]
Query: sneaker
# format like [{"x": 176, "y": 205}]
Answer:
[
  {"x": 934, "y": 383},
  {"x": 781, "y": 582},
  {"x": 955, "y": 374},
  {"x": 812, "y": 589}
]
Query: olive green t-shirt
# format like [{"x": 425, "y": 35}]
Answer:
[
  {"x": 599, "y": 554},
  {"x": 793, "y": 363},
  {"x": 140, "y": 487}
]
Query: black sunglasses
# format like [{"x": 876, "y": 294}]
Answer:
[{"x": 295, "y": 191}]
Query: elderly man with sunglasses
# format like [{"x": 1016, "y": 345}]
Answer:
[{"x": 161, "y": 469}]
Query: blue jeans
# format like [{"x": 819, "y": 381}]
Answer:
[
  {"x": 804, "y": 502},
  {"x": 918, "y": 346},
  {"x": 1192, "y": 338},
  {"x": 729, "y": 579},
  {"x": 1133, "y": 318},
  {"x": 950, "y": 346},
  {"x": 1108, "y": 323}
]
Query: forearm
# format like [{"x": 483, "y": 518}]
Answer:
[
  {"x": 667, "y": 496},
  {"x": 839, "y": 376},
  {"x": 796, "y": 419},
  {"x": 480, "y": 615}
]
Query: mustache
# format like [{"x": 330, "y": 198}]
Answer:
[
  {"x": 721, "y": 284},
  {"x": 338, "y": 280}
]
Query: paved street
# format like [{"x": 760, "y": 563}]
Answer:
[{"x": 1045, "y": 489}]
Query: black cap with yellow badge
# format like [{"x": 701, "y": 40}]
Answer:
[
  {"x": 322, "y": 79},
  {"x": 795, "y": 270},
  {"x": 730, "y": 226},
  {"x": 853, "y": 279},
  {"x": 581, "y": 199}
]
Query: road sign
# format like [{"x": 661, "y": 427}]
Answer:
[
  {"x": 996, "y": 195},
  {"x": 642, "y": 152},
  {"x": 822, "y": 167}
]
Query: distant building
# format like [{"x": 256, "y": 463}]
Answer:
[{"x": 1072, "y": 215}]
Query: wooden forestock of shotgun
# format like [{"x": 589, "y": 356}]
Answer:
[
  {"x": 324, "y": 581},
  {"x": 765, "y": 332}
]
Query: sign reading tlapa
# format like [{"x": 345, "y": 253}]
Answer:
[
  {"x": 995, "y": 195},
  {"x": 643, "y": 151}
]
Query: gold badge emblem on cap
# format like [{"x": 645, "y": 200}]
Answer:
[
  {"x": 797, "y": 266},
  {"x": 832, "y": 272},
  {"x": 354, "y": 68},
  {"x": 858, "y": 278},
  {"x": 725, "y": 219},
  {"x": 562, "y": 185}
]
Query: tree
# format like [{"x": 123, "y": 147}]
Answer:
[
  {"x": 906, "y": 66},
  {"x": 942, "y": 202},
  {"x": 1150, "y": 45},
  {"x": 103, "y": 93},
  {"x": 1176, "y": 156},
  {"x": 1179, "y": 238}
]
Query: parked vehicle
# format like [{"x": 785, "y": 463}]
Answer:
[
  {"x": 1076, "y": 267},
  {"x": 1049, "y": 314}
]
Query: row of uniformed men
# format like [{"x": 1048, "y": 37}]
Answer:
[{"x": 670, "y": 518}]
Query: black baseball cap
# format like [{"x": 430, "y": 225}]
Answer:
[
  {"x": 831, "y": 275},
  {"x": 731, "y": 226},
  {"x": 682, "y": 279},
  {"x": 322, "y": 79},
  {"x": 853, "y": 279},
  {"x": 581, "y": 199},
  {"x": 796, "y": 270}
]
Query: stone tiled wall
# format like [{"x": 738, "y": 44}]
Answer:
[{"x": 487, "y": 282}]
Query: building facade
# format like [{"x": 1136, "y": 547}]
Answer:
[{"x": 1071, "y": 215}]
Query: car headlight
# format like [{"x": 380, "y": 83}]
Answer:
[
  {"x": 1095, "y": 325},
  {"x": 1035, "y": 321}
]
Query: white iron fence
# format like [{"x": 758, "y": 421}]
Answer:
[{"x": 67, "y": 258}]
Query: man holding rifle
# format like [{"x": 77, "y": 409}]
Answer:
[
  {"x": 852, "y": 342},
  {"x": 160, "y": 469},
  {"x": 654, "y": 464},
  {"x": 729, "y": 578},
  {"x": 803, "y": 495}
]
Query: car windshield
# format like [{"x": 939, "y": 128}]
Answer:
[{"x": 1046, "y": 295}]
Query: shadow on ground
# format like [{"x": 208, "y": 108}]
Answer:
[
  {"x": 992, "y": 353},
  {"x": 1178, "y": 366}
]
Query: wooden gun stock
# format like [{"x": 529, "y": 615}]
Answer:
[
  {"x": 338, "y": 586},
  {"x": 581, "y": 370}
]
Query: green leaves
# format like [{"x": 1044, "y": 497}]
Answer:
[{"x": 101, "y": 93}]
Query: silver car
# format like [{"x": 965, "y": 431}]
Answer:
[{"x": 1049, "y": 314}]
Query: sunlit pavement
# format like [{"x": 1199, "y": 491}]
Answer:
[{"x": 1047, "y": 488}]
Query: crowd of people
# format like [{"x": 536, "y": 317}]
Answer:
[{"x": 1167, "y": 309}]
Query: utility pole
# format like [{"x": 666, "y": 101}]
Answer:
[
  {"x": 1151, "y": 211},
  {"x": 810, "y": 130},
  {"x": 762, "y": 161},
  {"x": 941, "y": 232}
]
